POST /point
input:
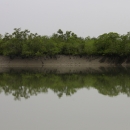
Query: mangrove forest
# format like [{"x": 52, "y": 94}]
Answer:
[{"x": 26, "y": 44}]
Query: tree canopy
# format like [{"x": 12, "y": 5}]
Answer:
[{"x": 26, "y": 44}]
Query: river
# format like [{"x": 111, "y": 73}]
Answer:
[{"x": 43, "y": 99}]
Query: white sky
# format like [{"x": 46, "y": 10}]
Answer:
[{"x": 83, "y": 17}]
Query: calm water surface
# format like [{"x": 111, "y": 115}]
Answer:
[{"x": 94, "y": 100}]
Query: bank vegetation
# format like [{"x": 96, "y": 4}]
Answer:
[{"x": 26, "y": 44}]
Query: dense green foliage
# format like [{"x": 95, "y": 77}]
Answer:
[
  {"x": 26, "y": 83},
  {"x": 25, "y": 44}
]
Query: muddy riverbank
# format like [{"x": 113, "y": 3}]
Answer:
[{"x": 62, "y": 60}]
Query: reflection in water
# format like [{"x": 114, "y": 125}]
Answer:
[{"x": 109, "y": 82}]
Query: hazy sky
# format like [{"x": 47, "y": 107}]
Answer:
[{"x": 83, "y": 17}]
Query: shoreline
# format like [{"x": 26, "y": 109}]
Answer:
[
  {"x": 66, "y": 69},
  {"x": 63, "y": 60},
  {"x": 63, "y": 64}
]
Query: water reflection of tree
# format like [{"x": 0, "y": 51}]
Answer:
[{"x": 26, "y": 84}]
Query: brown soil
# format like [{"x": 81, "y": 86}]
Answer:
[
  {"x": 62, "y": 64},
  {"x": 64, "y": 61}
]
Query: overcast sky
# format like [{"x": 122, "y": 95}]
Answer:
[{"x": 83, "y": 17}]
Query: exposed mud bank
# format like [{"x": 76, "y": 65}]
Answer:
[
  {"x": 62, "y": 60},
  {"x": 64, "y": 64}
]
